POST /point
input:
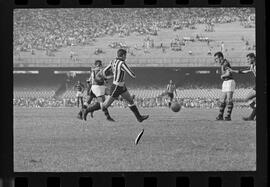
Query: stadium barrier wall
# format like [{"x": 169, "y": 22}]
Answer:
[{"x": 146, "y": 77}]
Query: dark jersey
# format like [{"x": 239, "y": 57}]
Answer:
[
  {"x": 225, "y": 67},
  {"x": 97, "y": 77},
  {"x": 79, "y": 87}
]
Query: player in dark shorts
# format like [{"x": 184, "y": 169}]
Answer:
[
  {"x": 228, "y": 87},
  {"x": 251, "y": 96},
  {"x": 171, "y": 89},
  {"x": 79, "y": 87},
  {"x": 119, "y": 68},
  {"x": 97, "y": 90}
]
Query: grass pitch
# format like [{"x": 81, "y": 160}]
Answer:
[{"x": 54, "y": 140}]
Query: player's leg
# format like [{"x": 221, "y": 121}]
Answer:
[
  {"x": 100, "y": 105},
  {"x": 78, "y": 102},
  {"x": 170, "y": 99},
  {"x": 251, "y": 97},
  {"x": 91, "y": 97},
  {"x": 81, "y": 100},
  {"x": 229, "y": 106},
  {"x": 126, "y": 95},
  {"x": 105, "y": 110},
  {"x": 222, "y": 106}
]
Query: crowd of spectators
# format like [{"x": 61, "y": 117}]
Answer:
[
  {"x": 140, "y": 102},
  {"x": 50, "y": 29}
]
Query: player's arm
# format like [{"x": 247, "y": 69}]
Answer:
[
  {"x": 106, "y": 70},
  {"x": 244, "y": 71},
  {"x": 225, "y": 74},
  {"x": 128, "y": 70}
]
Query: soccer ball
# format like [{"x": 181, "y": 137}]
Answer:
[{"x": 175, "y": 107}]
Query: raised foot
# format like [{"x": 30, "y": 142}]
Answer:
[{"x": 142, "y": 118}]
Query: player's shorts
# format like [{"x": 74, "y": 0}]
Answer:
[
  {"x": 98, "y": 90},
  {"x": 79, "y": 94},
  {"x": 116, "y": 90},
  {"x": 228, "y": 86},
  {"x": 170, "y": 95}
]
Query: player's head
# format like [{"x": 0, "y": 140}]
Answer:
[
  {"x": 251, "y": 58},
  {"x": 218, "y": 57},
  {"x": 122, "y": 54},
  {"x": 98, "y": 63},
  {"x": 171, "y": 81}
]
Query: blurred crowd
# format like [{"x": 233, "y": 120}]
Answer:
[
  {"x": 51, "y": 29},
  {"x": 140, "y": 102}
]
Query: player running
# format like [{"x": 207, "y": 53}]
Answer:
[
  {"x": 97, "y": 81},
  {"x": 119, "y": 67},
  {"x": 79, "y": 88},
  {"x": 251, "y": 96},
  {"x": 228, "y": 87},
  {"x": 171, "y": 89}
]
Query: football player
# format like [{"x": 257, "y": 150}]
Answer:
[
  {"x": 171, "y": 89},
  {"x": 79, "y": 88},
  {"x": 119, "y": 68},
  {"x": 228, "y": 87},
  {"x": 98, "y": 88},
  {"x": 251, "y": 96}
]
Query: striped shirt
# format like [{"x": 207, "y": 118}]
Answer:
[
  {"x": 253, "y": 69},
  {"x": 171, "y": 88},
  {"x": 119, "y": 68}
]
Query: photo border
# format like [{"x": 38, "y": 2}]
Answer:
[{"x": 233, "y": 178}]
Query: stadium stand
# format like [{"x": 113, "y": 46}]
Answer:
[{"x": 74, "y": 35}]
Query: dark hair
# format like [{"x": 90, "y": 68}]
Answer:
[
  {"x": 121, "y": 52},
  {"x": 219, "y": 54},
  {"x": 98, "y": 63},
  {"x": 251, "y": 55}
]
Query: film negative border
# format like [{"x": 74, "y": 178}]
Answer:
[
  {"x": 131, "y": 179},
  {"x": 128, "y": 3}
]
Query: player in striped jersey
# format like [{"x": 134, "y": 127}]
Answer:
[
  {"x": 171, "y": 89},
  {"x": 98, "y": 88},
  {"x": 119, "y": 68},
  {"x": 228, "y": 87},
  {"x": 79, "y": 88},
  {"x": 251, "y": 96}
]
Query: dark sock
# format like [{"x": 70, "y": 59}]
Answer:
[
  {"x": 84, "y": 107},
  {"x": 106, "y": 112},
  {"x": 222, "y": 108},
  {"x": 92, "y": 108},
  {"x": 252, "y": 105},
  {"x": 253, "y": 114},
  {"x": 135, "y": 110},
  {"x": 89, "y": 100},
  {"x": 170, "y": 104},
  {"x": 230, "y": 107}
]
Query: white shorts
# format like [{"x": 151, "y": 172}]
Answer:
[
  {"x": 228, "y": 86},
  {"x": 98, "y": 90},
  {"x": 79, "y": 94}
]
